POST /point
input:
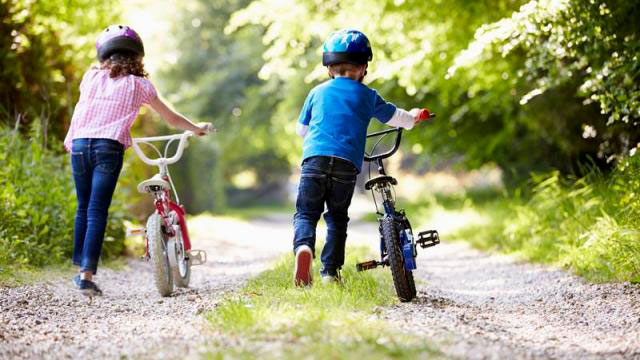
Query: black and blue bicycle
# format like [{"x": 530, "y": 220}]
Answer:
[{"x": 398, "y": 246}]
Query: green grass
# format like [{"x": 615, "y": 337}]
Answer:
[
  {"x": 270, "y": 318},
  {"x": 587, "y": 225},
  {"x": 21, "y": 275}
]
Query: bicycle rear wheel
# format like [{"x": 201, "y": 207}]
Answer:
[{"x": 402, "y": 278}]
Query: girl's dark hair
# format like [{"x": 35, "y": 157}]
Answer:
[{"x": 122, "y": 64}]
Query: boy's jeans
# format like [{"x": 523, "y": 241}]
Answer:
[
  {"x": 323, "y": 180},
  {"x": 96, "y": 165}
]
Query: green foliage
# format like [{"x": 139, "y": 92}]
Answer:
[
  {"x": 38, "y": 205},
  {"x": 323, "y": 321},
  {"x": 591, "y": 45},
  {"x": 578, "y": 57},
  {"x": 216, "y": 81},
  {"x": 413, "y": 45},
  {"x": 588, "y": 225},
  {"x": 46, "y": 46}
]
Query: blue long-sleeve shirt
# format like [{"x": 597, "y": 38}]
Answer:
[{"x": 338, "y": 113}]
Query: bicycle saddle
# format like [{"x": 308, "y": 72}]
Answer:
[
  {"x": 382, "y": 179},
  {"x": 156, "y": 180}
]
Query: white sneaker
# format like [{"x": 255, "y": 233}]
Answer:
[
  {"x": 328, "y": 279},
  {"x": 304, "y": 263}
]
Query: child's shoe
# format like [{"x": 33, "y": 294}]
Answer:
[
  {"x": 330, "y": 277},
  {"x": 304, "y": 262},
  {"x": 76, "y": 281},
  {"x": 89, "y": 288}
]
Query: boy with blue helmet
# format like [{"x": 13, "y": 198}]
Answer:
[{"x": 333, "y": 122}]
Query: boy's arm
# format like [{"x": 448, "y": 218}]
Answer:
[
  {"x": 404, "y": 119},
  {"x": 305, "y": 117},
  {"x": 391, "y": 115}
]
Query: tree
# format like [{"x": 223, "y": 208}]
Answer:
[
  {"x": 46, "y": 46},
  {"x": 590, "y": 47},
  {"x": 216, "y": 80}
]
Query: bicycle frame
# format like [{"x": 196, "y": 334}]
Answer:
[
  {"x": 398, "y": 248},
  {"x": 383, "y": 185},
  {"x": 164, "y": 204}
]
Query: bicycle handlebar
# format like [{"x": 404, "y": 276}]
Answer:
[
  {"x": 162, "y": 161},
  {"x": 424, "y": 114},
  {"x": 390, "y": 152}
]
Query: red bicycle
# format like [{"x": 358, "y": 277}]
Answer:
[{"x": 167, "y": 242}]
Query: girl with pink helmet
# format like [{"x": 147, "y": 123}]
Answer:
[{"x": 110, "y": 99}]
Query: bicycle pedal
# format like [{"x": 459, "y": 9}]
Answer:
[
  {"x": 197, "y": 257},
  {"x": 428, "y": 238},
  {"x": 367, "y": 265}
]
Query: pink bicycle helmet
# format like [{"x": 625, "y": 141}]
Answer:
[{"x": 118, "y": 38}]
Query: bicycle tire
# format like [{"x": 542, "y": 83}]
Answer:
[
  {"x": 162, "y": 276},
  {"x": 179, "y": 279},
  {"x": 402, "y": 279}
]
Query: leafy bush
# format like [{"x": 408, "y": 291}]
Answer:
[
  {"x": 592, "y": 46},
  {"x": 37, "y": 205}
]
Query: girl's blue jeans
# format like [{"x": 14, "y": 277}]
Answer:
[
  {"x": 96, "y": 165},
  {"x": 331, "y": 181}
]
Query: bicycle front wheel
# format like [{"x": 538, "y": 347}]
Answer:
[
  {"x": 402, "y": 278},
  {"x": 182, "y": 269},
  {"x": 159, "y": 255}
]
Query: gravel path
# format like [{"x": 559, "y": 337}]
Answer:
[
  {"x": 479, "y": 306},
  {"x": 51, "y": 320},
  {"x": 471, "y": 304}
]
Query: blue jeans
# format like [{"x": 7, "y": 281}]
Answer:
[
  {"x": 96, "y": 165},
  {"x": 330, "y": 181}
]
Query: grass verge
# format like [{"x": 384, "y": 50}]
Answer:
[
  {"x": 21, "y": 275},
  {"x": 588, "y": 225},
  {"x": 271, "y": 318}
]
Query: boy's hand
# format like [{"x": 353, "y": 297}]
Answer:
[
  {"x": 419, "y": 115},
  {"x": 204, "y": 128}
]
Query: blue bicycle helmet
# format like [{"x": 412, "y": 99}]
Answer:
[{"x": 346, "y": 46}]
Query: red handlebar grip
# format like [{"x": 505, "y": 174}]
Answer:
[{"x": 424, "y": 114}]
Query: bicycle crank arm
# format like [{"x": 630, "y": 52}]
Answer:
[
  {"x": 197, "y": 257},
  {"x": 428, "y": 238},
  {"x": 368, "y": 265}
]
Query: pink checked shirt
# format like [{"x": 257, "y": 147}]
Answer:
[{"x": 108, "y": 107}]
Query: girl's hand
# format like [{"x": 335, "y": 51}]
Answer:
[{"x": 203, "y": 128}]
